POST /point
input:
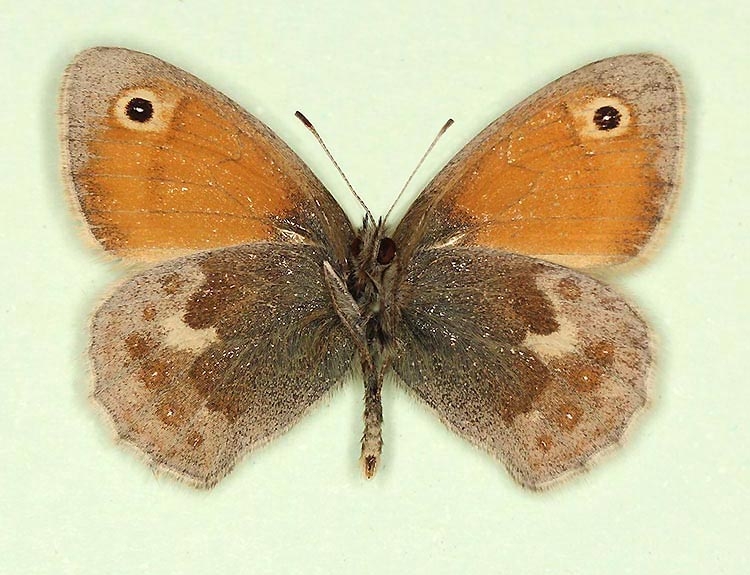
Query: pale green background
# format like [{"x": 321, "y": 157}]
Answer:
[{"x": 378, "y": 79}]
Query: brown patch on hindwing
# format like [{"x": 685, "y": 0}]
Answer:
[
  {"x": 465, "y": 316},
  {"x": 207, "y": 356},
  {"x": 141, "y": 351},
  {"x": 540, "y": 365},
  {"x": 600, "y": 370}
]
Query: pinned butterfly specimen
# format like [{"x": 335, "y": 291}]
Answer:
[{"x": 265, "y": 296}]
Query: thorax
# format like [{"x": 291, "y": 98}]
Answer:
[{"x": 372, "y": 280}]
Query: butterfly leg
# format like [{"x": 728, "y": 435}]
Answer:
[{"x": 349, "y": 313}]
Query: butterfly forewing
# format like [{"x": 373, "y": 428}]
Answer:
[
  {"x": 581, "y": 173},
  {"x": 161, "y": 164}
]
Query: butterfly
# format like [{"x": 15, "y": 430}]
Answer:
[{"x": 257, "y": 297}]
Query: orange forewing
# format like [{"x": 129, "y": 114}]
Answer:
[
  {"x": 552, "y": 179},
  {"x": 202, "y": 173}
]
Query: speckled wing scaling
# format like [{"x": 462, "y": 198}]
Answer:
[
  {"x": 538, "y": 364},
  {"x": 214, "y": 353},
  {"x": 208, "y": 356}
]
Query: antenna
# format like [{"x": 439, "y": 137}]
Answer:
[
  {"x": 440, "y": 133},
  {"x": 309, "y": 126}
]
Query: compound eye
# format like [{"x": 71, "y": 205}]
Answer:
[{"x": 386, "y": 251}]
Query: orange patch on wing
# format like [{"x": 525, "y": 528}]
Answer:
[
  {"x": 195, "y": 439},
  {"x": 547, "y": 184},
  {"x": 544, "y": 442},
  {"x": 601, "y": 352},
  {"x": 172, "y": 283},
  {"x": 585, "y": 377},
  {"x": 197, "y": 182},
  {"x": 568, "y": 289},
  {"x": 568, "y": 415},
  {"x": 149, "y": 313}
]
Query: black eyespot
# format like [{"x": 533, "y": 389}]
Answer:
[
  {"x": 140, "y": 110},
  {"x": 386, "y": 251},
  {"x": 355, "y": 248},
  {"x": 607, "y": 118}
]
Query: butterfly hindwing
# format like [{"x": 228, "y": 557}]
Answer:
[
  {"x": 213, "y": 354},
  {"x": 538, "y": 364}
]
